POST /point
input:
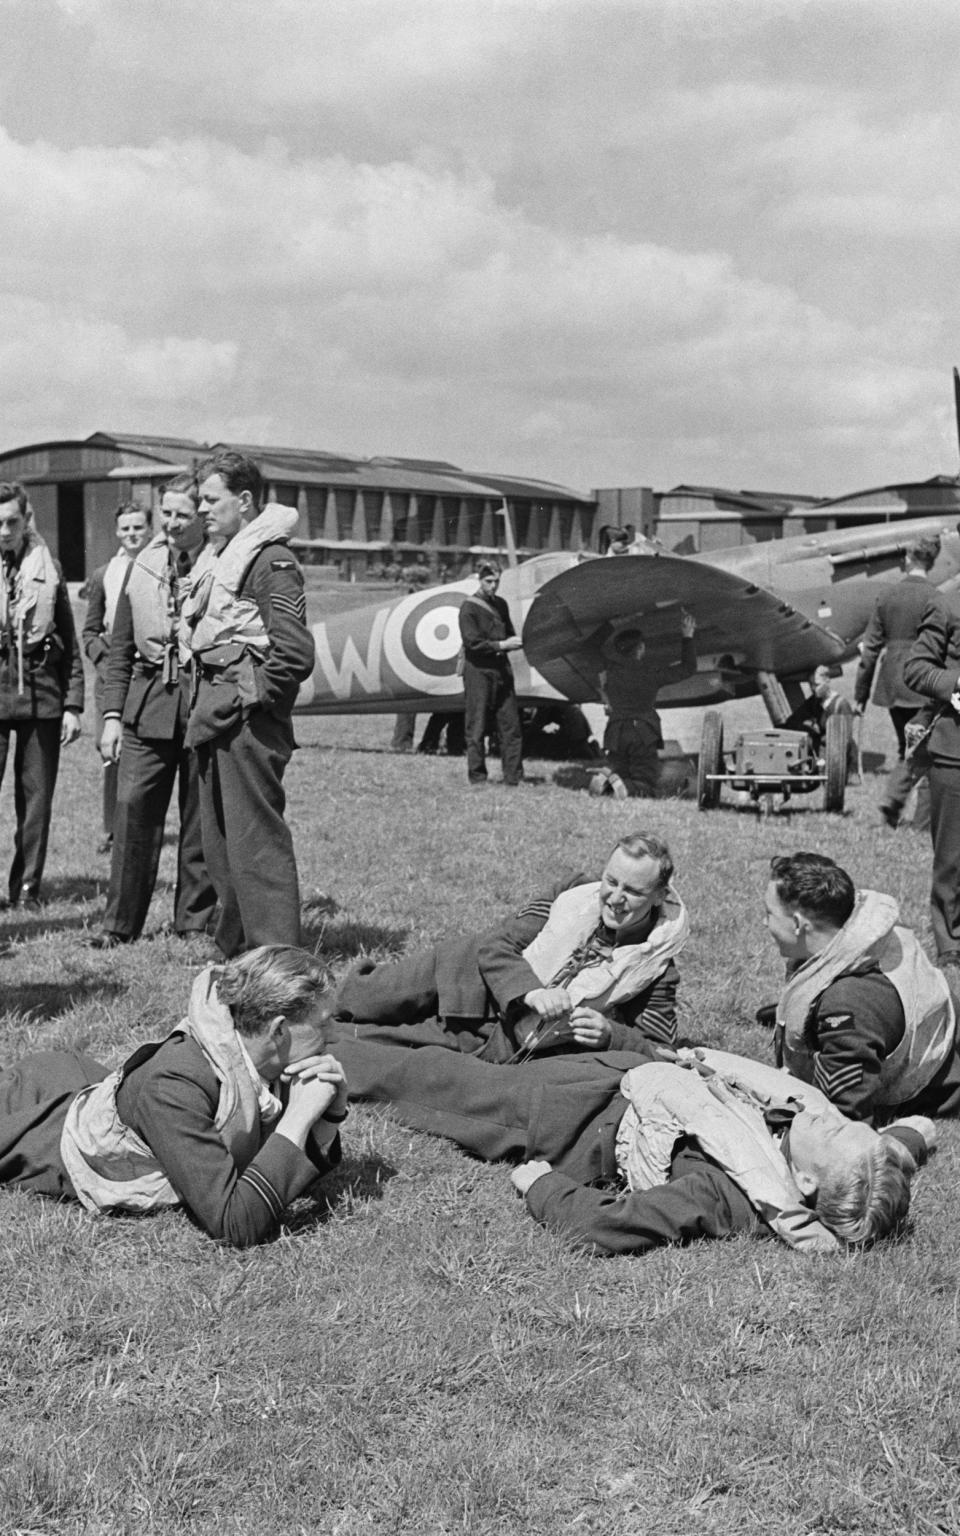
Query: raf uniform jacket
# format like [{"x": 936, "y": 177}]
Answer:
[
  {"x": 854, "y": 1025},
  {"x": 275, "y": 582},
  {"x": 169, "y": 1097},
  {"x": 892, "y": 630},
  {"x": 52, "y": 672},
  {"x": 630, "y": 688},
  {"x": 484, "y": 622},
  {"x": 933, "y": 668},
  {"x": 95, "y": 642},
  {"x": 134, "y": 689},
  {"x": 507, "y": 976}
]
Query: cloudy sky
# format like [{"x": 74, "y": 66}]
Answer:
[{"x": 606, "y": 242}]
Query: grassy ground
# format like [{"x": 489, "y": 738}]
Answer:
[{"x": 415, "y": 1355}]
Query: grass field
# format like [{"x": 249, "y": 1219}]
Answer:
[{"x": 415, "y": 1354}]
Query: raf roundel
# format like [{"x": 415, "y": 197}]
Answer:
[{"x": 421, "y": 641}]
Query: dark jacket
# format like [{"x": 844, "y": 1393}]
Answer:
[
  {"x": 275, "y": 582},
  {"x": 649, "y": 1016},
  {"x": 892, "y": 630},
  {"x": 169, "y": 1097},
  {"x": 932, "y": 668},
  {"x": 630, "y": 687},
  {"x": 52, "y": 673},
  {"x": 135, "y": 690},
  {"x": 484, "y": 622}
]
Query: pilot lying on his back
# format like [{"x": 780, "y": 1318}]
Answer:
[
  {"x": 589, "y": 965},
  {"x": 623, "y": 1152}
]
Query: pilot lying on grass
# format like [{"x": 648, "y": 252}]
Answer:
[
  {"x": 624, "y": 1152},
  {"x": 192, "y": 1120},
  {"x": 864, "y": 1015},
  {"x": 587, "y": 966}
]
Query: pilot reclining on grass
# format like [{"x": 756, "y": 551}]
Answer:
[
  {"x": 864, "y": 1015},
  {"x": 192, "y": 1120},
  {"x": 589, "y": 965},
  {"x": 624, "y": 1152}
]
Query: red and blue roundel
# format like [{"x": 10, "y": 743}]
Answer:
[{"x": 421, "y": 641}]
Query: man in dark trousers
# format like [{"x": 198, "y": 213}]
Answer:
[
  {"x": 245, "y": 623},
  {"x": 623, "y": 1153},
  {"x": 889, "y": 635},
  {"x": 146, "y": 700},
  {"x": 490, "y": 697},
  {"x": 102, "y": 593},
  {"x": 629, "y": 690},
  {"x": 932, "y": 669},
  {"x": 41, "y": 684}
]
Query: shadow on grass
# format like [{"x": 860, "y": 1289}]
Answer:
[
  {"x": 76, "y": 887},
  {"x": 34, "y": 925},
  {"x": 342, "y": 939},
  {"x": 47, "y": 999},
  {"x": 356, "y": 1178}
]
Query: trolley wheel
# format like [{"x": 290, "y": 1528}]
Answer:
[
  {"x": 836, "y": 749},
  {"x": 711, "y": 760}
]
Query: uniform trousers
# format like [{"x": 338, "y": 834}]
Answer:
[
  {"x": 565, "y": 1109},
  {"x": 246, "y": 841},
  {"x": 905, "y": 772},
  {"x": 490, "y": 700},
  {"x": 148, "y": 768},
  {"x": 35, "y": 1095},
  {"x": 630, "y": 745},
  {"x": 111, "y": 773},
  {"x": 945, "y": 885},
  {"x": 36, "y": 759}
]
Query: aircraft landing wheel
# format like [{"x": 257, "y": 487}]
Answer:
[
  {"x": 836, "y": 748},
  {"x": 711, "y": 760}
]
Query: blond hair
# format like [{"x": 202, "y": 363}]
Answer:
[{"x": 871, "y": 1199}]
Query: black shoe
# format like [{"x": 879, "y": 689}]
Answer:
[
  {"x": 105, "y": 844},
  {"x": 891, "y": 816},
  {"x": 107, "y": 940}
]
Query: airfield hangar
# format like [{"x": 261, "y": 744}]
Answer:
[{"x": 381, "y": 516}]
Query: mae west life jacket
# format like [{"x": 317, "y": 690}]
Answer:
[
  {"x": 630, "y": 968},
  {"x": 872, "y": 932},
  {"x": 217, "y": 625},
  {"x": 112, "y": 1168},
  {"x": 719, "y": 1101}
]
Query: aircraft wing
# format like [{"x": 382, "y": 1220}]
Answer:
[{"x": 740, "y": 625}]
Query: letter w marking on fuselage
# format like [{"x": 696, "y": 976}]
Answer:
[{"x": 340, "y": 678}]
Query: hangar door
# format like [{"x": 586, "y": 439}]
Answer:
[{"x": 70, "y": 530}]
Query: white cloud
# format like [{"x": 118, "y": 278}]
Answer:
[
  {"x": 600, "y": 241},
  {"x": 72, "y": 373}
]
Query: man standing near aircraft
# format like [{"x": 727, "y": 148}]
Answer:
[
  {"x": 41, "y": 684},
  {"x": 146, "y": 701},
  {"x": 245, "y": 622},
  {"x": 892, "y": 630},
  {"x": 490, "y": 697}
]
